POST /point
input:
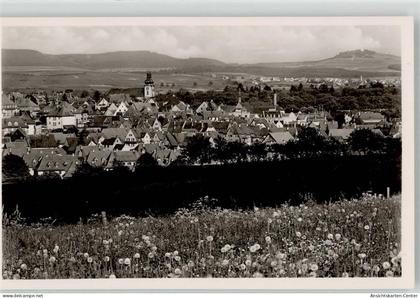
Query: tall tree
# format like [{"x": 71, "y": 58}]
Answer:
[{"x": 14, "y": 168}]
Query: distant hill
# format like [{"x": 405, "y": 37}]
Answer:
[
  {"x": 112, "y": 60},
  {"x": 345, "y": 64},
  {"x": 357, "y": 60}
]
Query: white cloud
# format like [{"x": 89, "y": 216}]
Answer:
[{"x": 229, "y": 44}]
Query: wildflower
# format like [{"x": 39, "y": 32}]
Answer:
[
  {"x": 314, "y": 267},
  {"x": 376, "y": 268},
  {"x": 137, "y": 255},
  {"x": 178, "y": 271},
  {"x": 177, "y": 258},
  {"x": 366, "y": 266},
  {"x": 23, "y": 266},
  {"x": 89, "y": 259},
  {"x": 120, "y": 233},
  {"x": 112, "y": 276},
  {"x": 273, "y": 263},
  {"x": 225, "y": 262},
  {"x": 225, "y": 248},
  {"x": 86, "y": 255},
  {"x": 151, "y": 255},
  {"x": 168, "y": 254},
  {"x": 299, "y": 219},
  {"x": 56, "y": 248},
  {"x": 242, "y": 266},
  {"x": 275, "y": 214},
  {"x": 52, "y": 259},
  {"x": 191, "y": 264},
  {"x": 367, "y": 227},
  {"x": 105, "y": 242},
  {"x": 298, "y": 234},
  {"x": 328, "y": 242},
  {"x": 268, "y": 239},
  {"x": 175, "y": 253},
  {"x": 345, "y": 274},
  {"x": 311, "y": 247},
  {"x": 248, "y": 262},
  {"x": 127, "y": 262},
  {"x": 45, "y": 251},
  {"x": 209, "y": 238},
  {"x": 389, "y": 273},
  {"x": 361, "y": 255},
  {"x": 330, "y": 236},
  {"x": 120, "y": 261},
  {"x": 386, "y": 265},
  {"x": 337, "y": 237}
]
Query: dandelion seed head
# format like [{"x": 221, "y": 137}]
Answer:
[{"x": 386, "y": 265}]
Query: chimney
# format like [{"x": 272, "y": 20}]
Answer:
[{"x": 275, "y": 100}]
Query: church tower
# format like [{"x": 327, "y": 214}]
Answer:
[{"x": 149, "y": 86}]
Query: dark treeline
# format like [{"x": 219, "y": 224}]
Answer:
[
  {"x": 309, "y": 144},
  {"x": 154, "y": 190}
]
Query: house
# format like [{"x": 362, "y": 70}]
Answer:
[
  {"x": 9, "y": 107},
  {"x": 341, "y": 134},
  {"x": 121, "y": 109},
  {"x": 102, "y": 104},
  {"x": 126, "y": 158},
  {"x": 63, "y": 165},
  {"x": 279, "y": 137},
  {"x": 111, "y": 110},
  {"x": 66, "y": 114},
  {"x": 366, "y": 118}
]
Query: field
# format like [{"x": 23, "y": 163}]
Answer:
[
  {"x": 348, "y": 238},
  {"x": 31, "y": 78}
]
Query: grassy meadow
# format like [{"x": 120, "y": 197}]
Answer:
[{"x": 349, "y": 238}]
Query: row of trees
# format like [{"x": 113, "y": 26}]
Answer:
[
  {"x": 309, "y": 144},
  {"x": 199, "y": 150}
]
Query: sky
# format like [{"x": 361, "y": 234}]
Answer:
[{"x": 231, "y": 44}]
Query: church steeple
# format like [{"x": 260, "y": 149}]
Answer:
[{"x": 149, "y": 86}]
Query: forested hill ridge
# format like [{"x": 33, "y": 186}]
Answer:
[{"x": 344, "y": 64}]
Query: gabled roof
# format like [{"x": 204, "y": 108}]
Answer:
[
  {"x": 126, "y": 156},
  {"x": 281, "y": 137},
  {"x": 343, "y": 133}
]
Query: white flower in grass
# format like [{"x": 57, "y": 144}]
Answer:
[
  {"x": 112, "y": 276},
  {"x": 386, "y": 265},
  {"x": 106, "y": 259},
  {"x": 127, "y": 262},
  {"x": 268, "y": 239},
  {"x": 389, "y": 273},
  {"x": 298, "y": 234},
  {"x": 345, "y": 275},
  {"x": 330, "y": 236},
  {"x": 120, "y": 261},
  {"x": 52, "y": 259},
  {"x": 242, "y": 266},
  {"x": 23, "y": 266},
  {"x": 314, "y": 267},
  {"x": 367, "y": 227},
  {"x": 86, "y": 255},
  {"x": 137, "y": 255},
  {"x": 209, "y": 238},
  {"x": 338, "y": 237},
  {"x": 361, "y": 255},
  {"x": 56, "y": 249},
  {"x": 178, "y": 271},
  {"x": 225, "y": 263}
]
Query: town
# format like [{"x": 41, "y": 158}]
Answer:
[{"x": 56, "y": 134}]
